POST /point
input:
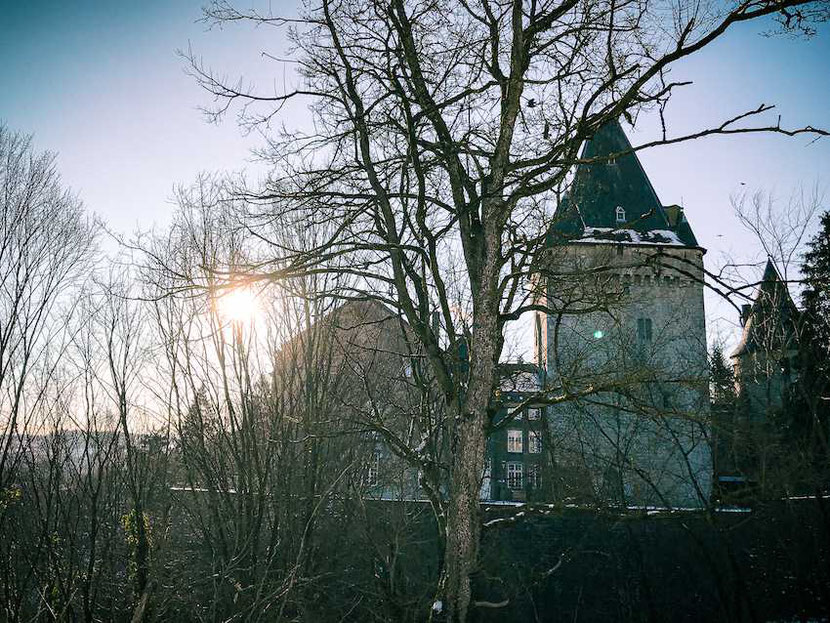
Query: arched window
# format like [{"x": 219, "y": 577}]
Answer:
[{"x": 620, "y": 214}]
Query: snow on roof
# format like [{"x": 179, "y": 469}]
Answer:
[
  {"x": 546, "y": 509},
  {"x": 610, "y": 235}
]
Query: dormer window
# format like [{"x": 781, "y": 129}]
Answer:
[{"x": 620, "y": 214}]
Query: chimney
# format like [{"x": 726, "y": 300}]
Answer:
[{"x": 745, "y": 309}]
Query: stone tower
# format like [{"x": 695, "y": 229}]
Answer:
[
  {"x": 766, "y": 359},
  {"x": 624, "y": 342}
]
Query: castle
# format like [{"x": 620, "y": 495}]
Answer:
[
  {"x": 622, "y": 346},
  {"x": 616, "y": 407}
]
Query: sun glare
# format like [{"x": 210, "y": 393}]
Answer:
[{"x": 238, "y": 305}]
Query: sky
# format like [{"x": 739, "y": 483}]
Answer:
[{"x": 101, "y": 84}]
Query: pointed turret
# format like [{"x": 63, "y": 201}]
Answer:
[
  {"x": 771, "y": 322},
  {"x": 612, "y": 199}
]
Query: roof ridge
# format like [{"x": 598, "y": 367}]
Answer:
[{"x": 643, "y": 171}]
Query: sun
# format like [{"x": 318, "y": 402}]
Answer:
[{"x": 238, "y": 305}]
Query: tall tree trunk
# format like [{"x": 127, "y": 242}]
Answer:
[
  {"x": 463, "y": 523},
  {"x": 463, "y": 520}
]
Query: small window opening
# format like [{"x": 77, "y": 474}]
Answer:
[
  {"x": 620, "y": 214},
  {"x": 373, "y": 470},
  {"x": 534, "y": 445},
  {"x": 515, "y": 475},
  {"x": 514, "y": 441},
  {"x": 644, "y": 330}
]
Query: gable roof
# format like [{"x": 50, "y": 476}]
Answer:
[
  {"x": 599, "y": 188},
  {"x": 771, "y": 323}
]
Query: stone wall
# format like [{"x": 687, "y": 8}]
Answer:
[{"x": 629, "y": 341}]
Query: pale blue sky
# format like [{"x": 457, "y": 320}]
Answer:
[{"x": 100, "y": 83}]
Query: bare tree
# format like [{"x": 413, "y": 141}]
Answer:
[
  {"x": 441, "y": 133},
  {"x": 65, "y": 522},
  {"x": 780, "y": 226},
  {"x": 46, "y": 246},
  {"x": 267, "y": 451}
]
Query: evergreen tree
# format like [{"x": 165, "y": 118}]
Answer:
[
  {"x": 816, "y": 297},
  {"x": 814, "y": 386},
  {"x": 725, "y": 424},
  {"x": 722, "y": 380}
]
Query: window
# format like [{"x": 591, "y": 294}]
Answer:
[
  {"x": 514, "y": 475},
  {"x": 533, "y": 414},
  {"x": 534, "y": 477},
  {"x": 620, "y": 214},
  {"x": 534, "y": 442},
  {"x": 373, "y": 471},
  {"x": 514, "y": 441},
  {"x": 643, "y": 330}
]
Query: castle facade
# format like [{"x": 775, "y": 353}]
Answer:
[{"x": 622, "y": 348}]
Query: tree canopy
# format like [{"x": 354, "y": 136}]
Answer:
[{"x": 442, "y": 135}]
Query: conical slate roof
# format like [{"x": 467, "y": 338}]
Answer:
[
  {"x": 772, "y": 320},
  {"x": 589, "y": 209}
]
